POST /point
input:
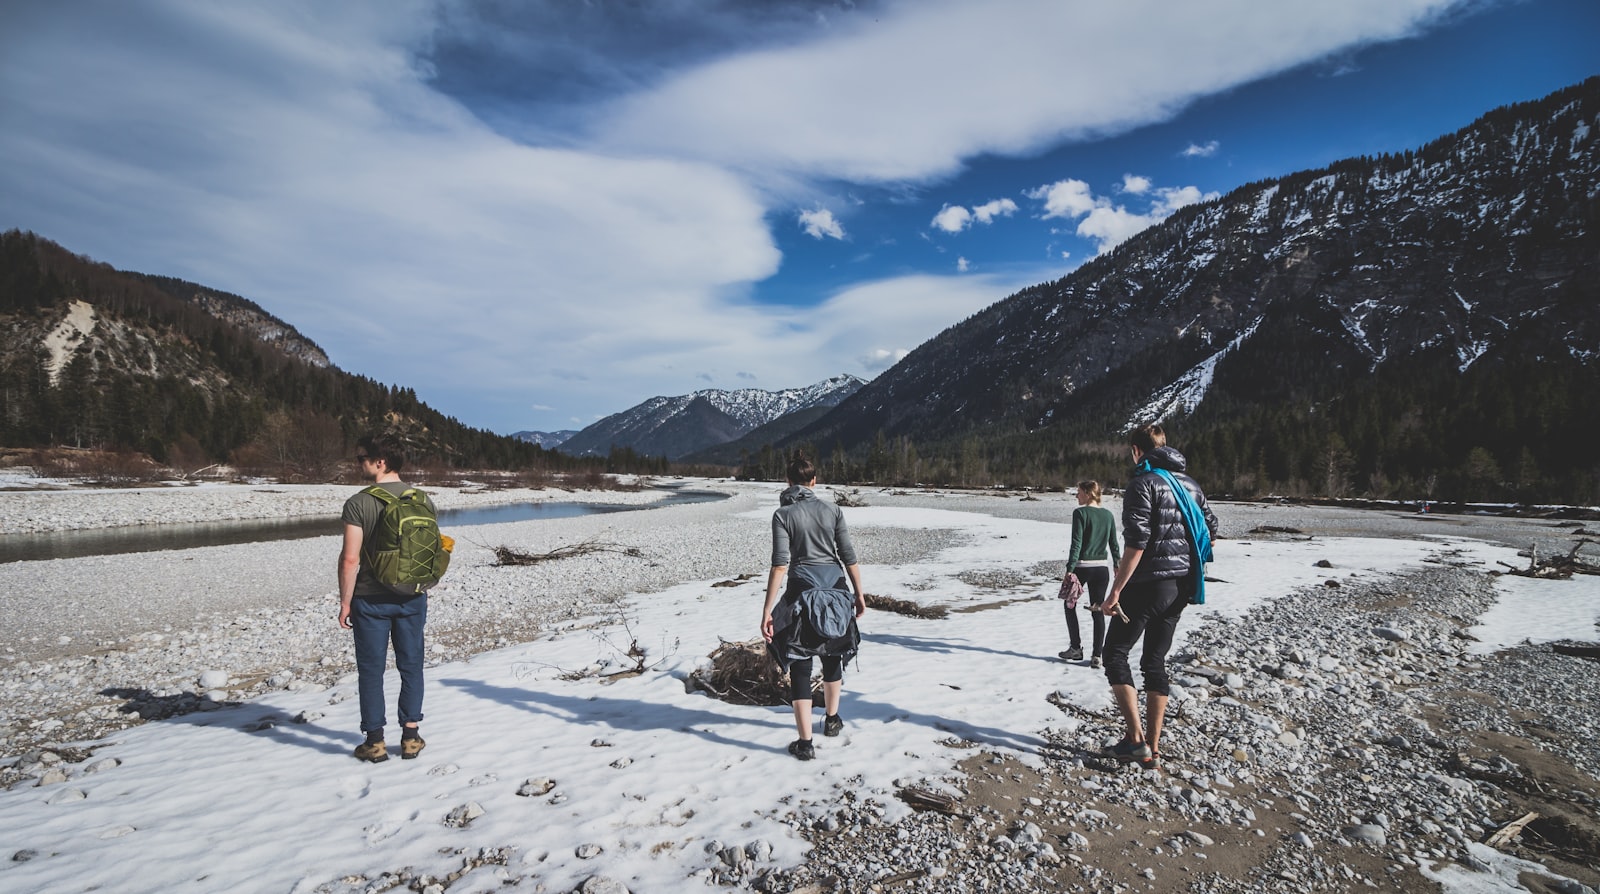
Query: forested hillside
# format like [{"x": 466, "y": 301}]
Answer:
[{"x": 98, "y": 358}]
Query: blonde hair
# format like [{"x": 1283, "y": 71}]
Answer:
[{"x": 1092, "y": 488}]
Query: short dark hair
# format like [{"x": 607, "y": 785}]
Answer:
[
  {"x": 1147, "y": 437},
  {"x": 383, "y": 447},
  {"x": 801, "y": 469}
]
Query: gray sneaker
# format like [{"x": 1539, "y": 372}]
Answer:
[
  {"x": 1073, "y": 654},
  {"x": 1128, "y": 751},
  {"x": 1096, "y": 662}
]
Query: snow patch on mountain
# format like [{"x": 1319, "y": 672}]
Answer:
[{"x": 1183, "y": 395}]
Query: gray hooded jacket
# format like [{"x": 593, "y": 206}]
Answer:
[{"x": 807, "y": 531}]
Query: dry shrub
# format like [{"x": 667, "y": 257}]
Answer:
[{"x": 742, "y": 674}]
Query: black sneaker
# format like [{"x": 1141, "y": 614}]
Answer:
[
  {"x": 1127, "y": 751},
  {"x": 1073, "y": 654},
  {"x": 832, "y": 725},
  {"x": 802, "y": 749}
]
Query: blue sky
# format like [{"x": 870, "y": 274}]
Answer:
[{"x": 582, "y": 205}]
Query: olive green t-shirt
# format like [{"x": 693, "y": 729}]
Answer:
[{"x": 364, "y": 510}]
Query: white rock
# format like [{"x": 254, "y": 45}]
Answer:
[{"x": 213, "y": 679}]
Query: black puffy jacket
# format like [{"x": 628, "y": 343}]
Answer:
[{"x": 1151, "y": 520}]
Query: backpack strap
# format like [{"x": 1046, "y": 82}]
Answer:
[{"x": 382, "y": 494}]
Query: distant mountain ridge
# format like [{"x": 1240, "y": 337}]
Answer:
[
  {"x": 1373, "y": 286},
  {"x": 675, "y": 427},
  {"x": 549, "y": 440}
]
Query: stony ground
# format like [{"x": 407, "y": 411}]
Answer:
[{"x": 1319, "y": 745}]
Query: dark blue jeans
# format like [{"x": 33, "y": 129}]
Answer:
[
  {"x": 377, "y": 622},
  {"x": 1153, "y": 609}
]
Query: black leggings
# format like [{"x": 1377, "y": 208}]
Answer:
[
  {"x": 800, "y": 675},
  {"x": 1153, "y": 609},
  {"x": 1096, "y": 579}
]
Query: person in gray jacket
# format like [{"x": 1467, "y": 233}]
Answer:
[
  {"x": 811, "y": 536},
  {"x": 1155, "y": 580}
]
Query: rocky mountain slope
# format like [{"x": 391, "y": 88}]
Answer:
[
  {"x": 678, "y": 426},
  {"x": 1425, "y": 275}
]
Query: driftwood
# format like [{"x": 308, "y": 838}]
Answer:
[
  {"x": 905, "y": 607},
  {"x": 922, "y": 799},
  {"x": 1557, "y": 568},
  {"x": 1274, "y": 529},
  {"x": 843, "y": 499},
  {"x": 505, "y": 555},
  {"x": 1511, "y": 830},
  {"x": 733, "y": 582}
]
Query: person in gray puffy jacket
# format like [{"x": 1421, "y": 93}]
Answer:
[
  {"x": 1155, "y": 579},
  {"x": 811, "y": 534}
]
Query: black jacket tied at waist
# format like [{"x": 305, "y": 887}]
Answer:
[{"x": 816, "y": 616}]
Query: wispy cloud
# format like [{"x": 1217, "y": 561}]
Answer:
[
  {"x": 1198, "y": 150},
  {"x": 963, "y": 265},
  {"x": 328, "y": 161}
]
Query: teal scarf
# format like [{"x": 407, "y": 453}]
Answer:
[{"x": 1195, "y": 523}]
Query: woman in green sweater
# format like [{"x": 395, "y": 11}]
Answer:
[{"x": 1095, "y": 552}]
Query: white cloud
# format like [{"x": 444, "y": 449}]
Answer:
[
  {"x": 1064, "y": 198},
  {"x": 987, "y": 212},
  {"x": 820, "y": 223},
  {"x": 952, "y": 218},
  {"x": 963, "y": 265},
  {"x": 855, "y": 106},
  {"x": 880, "y": 359},
  {"x": 955, "y": 218},
  {"x": 1106, "y": 223},
  {"x": 540, "y": 407},
  {"x": 1196, "y": 150}
]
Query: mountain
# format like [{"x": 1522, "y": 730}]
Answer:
[
  {"x": 1383, "y": 318},
  {"x": 675, "y": 427},
  {"x": 95, "y": 357},
  {"x": 549, "y": 440}
]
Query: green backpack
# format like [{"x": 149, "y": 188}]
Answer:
[{"x": 407, "y": 553}]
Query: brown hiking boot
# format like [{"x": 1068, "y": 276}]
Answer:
[
  {"x": 411, "y": 746},
  {"x": 372, "y": 751}
]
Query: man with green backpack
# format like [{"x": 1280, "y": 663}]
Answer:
[{"x": 393, "y": 552}]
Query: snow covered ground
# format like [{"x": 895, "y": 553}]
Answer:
[{"x": 638, "y": 780}]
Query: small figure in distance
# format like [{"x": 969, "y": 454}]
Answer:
[
  {"x": 811, "y": 546},
  {"x": 1095, "y": 551},
  {"x": 1159, "y": 573}
]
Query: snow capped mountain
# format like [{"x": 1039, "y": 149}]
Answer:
[
  {"x": 676, "y": 426},
  {"x": 549, "y": 440}
]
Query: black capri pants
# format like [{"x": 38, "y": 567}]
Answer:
[
  {"x": 800, "y": 669},
  {"x": 1153, "y": 609}
]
